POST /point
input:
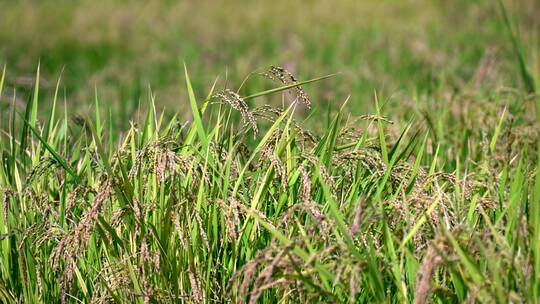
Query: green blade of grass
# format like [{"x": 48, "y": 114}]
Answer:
[
  {"x": 286, "y": 87},
  {"x": 493, "y": 142},
  {"x": 195, "y": 111},
  {"x": 525, "y": 75},
  {"x": 2, "y": 80},
  {"x": 30, "y": 114}
]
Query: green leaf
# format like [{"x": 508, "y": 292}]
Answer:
[
  {"x": 286, "y": 87},
  {"x": 195, "y": 112}
]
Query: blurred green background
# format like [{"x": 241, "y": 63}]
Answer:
[{"x": 401, "y": 48}]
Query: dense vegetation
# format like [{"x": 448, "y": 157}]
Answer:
[{"x": 263, "y": 188}]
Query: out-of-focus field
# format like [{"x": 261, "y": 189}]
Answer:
[{"x": 123, "y": 47}]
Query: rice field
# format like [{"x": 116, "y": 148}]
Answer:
[{"x": 392, "y": 159}]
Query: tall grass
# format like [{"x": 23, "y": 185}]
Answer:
[{"x": 244, "y": 205}]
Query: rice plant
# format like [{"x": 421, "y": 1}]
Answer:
[{"x": 245, "y": 205}]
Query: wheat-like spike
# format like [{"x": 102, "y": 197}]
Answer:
[
  {"x": 280, "y": 74},
  {"x": 234, "y": 100}
]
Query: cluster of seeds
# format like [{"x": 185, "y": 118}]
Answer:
[
  {"x": 235, "y": 101},
  {"x": 280, "y": 74}
]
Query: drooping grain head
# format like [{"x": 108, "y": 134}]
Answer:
[
  {"x": 280, "y": 74},
  {"x": 235, "y": 101}
]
